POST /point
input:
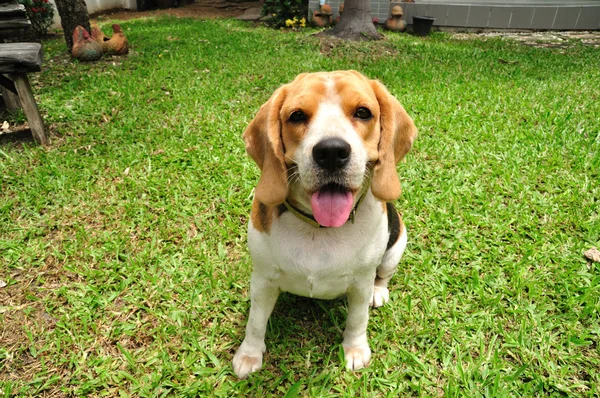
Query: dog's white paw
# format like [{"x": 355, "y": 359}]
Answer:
[
  {"x": 381, "y": 295},
  {"x": 357, "y": 357},
  {"x": 245, "y": 362}
]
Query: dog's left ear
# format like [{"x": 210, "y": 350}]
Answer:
[
  {"x": 263, "y": 144},
  {"x": 397, "y": 135}
]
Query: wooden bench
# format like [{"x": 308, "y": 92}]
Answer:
[
  {"x": 13, "y": 16},
  {"x": 16, "y": 60}
]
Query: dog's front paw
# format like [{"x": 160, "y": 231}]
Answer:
[
  {"x": 357, "y": 357},
  {"x": 246, "y": 361},
  {"x": 381, "y": 295}
]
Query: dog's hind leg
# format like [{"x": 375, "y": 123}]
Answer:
[{"x": 389, "y": 263}]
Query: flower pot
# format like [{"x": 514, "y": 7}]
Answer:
[{"x": 422, "y": 25}]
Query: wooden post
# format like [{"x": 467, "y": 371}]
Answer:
[{"x": 30, "y": 107}]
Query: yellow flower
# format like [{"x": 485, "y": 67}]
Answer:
[
  {"x": 303, "y": 22},
  {"x": 289, "y": 22}
]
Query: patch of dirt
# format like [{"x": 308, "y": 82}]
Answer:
[
  {"x": 198, "y": 9},
  {"x": 24, "y": 322},
  {"x": 550, "y": 39},
  {"x": 332, "y": 47}
]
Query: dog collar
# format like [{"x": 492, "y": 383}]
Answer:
[{"x": 309, "y": 219}]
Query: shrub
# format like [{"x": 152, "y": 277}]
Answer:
[
  {"x": 40, "y": 14},
  {"x": 280, "y": 11}
]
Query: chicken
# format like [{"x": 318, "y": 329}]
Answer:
[
  {"x": 117, "y": 44},
  {"x": 337, "y": 20},
  {"x": 324, "y": 17},
  {"x": 395, "y": 23},
  {"x": 84, "y": 47},
  {"x": 98, "y": 34}
]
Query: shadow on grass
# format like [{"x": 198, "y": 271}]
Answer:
[
  {"x": 302, "y": 326},
  {"x": 17, "y": 138}
]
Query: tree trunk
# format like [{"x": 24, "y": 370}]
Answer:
[
  {"x": 72, "y": 13},
  {"x": 356, "y": 22}
]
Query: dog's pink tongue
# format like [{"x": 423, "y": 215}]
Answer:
[{"x": 331, "y": 208}]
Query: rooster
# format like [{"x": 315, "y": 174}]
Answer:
[
  {"x": 84, "y": 47},
  {"x": 117, "y": 44},
  {"x": 98, "y": 34}
]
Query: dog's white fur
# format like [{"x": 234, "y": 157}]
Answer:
[{"x": 293, "y": 256}]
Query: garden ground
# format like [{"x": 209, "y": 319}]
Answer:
[
  {"x": 198, "y": 9},
  {"x": 122, "y": 244}
]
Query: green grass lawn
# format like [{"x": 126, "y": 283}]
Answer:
[{"x": 123, "y": 243}]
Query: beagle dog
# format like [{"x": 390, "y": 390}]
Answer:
[{"x": 322, "y": 222}]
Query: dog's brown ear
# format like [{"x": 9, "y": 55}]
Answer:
[
  {"x": 263, "y": 144},
  {"x": 397, "y": 135}
]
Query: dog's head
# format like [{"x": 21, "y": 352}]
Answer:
[{"x": 322, "y": 138}]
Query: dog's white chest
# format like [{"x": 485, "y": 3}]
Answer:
[
  {"x": 319, "y": 271},
  {"x": 313, "y": 285},
  {"x": 320, "y": 263}
]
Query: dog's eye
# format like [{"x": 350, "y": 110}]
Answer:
[
  {"x": 297, "y": 117},
  {"x": 363, "y": 113}
]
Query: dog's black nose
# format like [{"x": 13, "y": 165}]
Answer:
[{"x": 332, "y": 153}]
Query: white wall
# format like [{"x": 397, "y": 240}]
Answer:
[
  {"x": 103, "y": 5},
  {"x": 516, "y": 2},
  {"x": 98, "y": 5}
]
